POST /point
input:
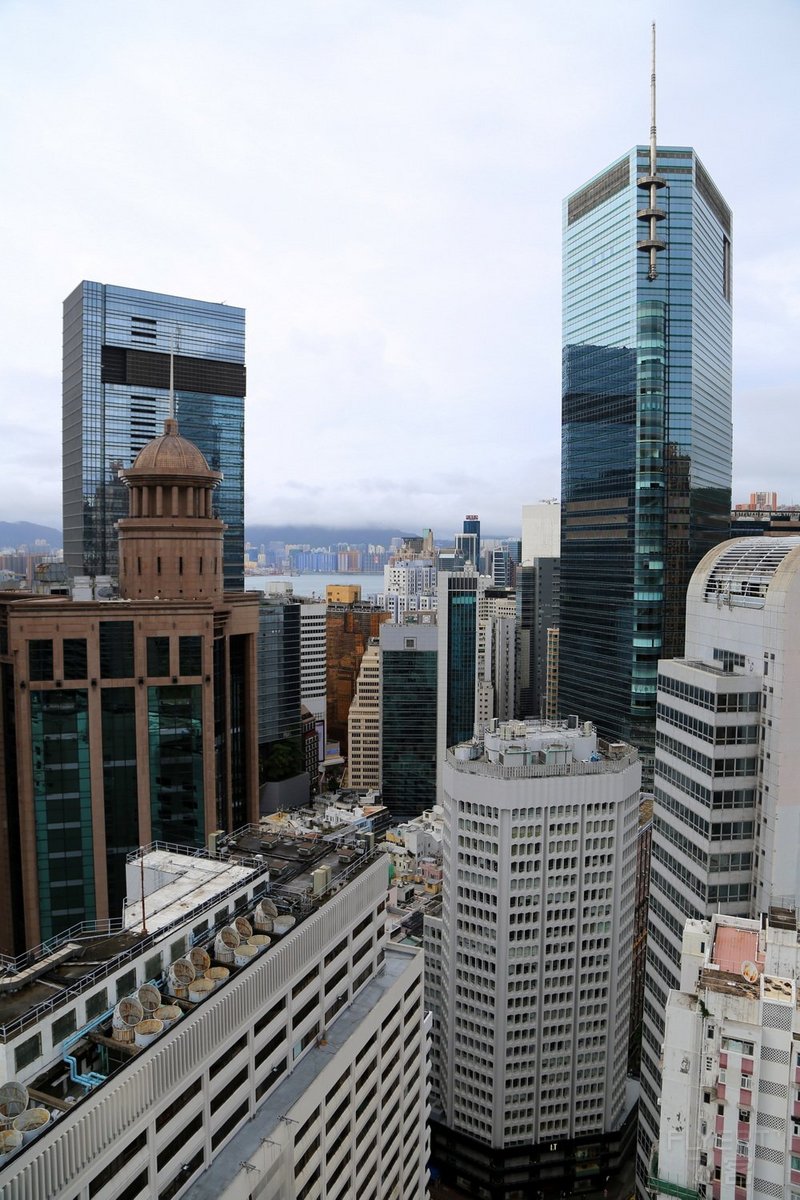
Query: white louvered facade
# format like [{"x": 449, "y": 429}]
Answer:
[{"x": 160, "y": 1125}]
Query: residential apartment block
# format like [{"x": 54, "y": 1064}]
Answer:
[
  {"x": 730, "y": 1099},
  {"x": 726, "y": 826}
]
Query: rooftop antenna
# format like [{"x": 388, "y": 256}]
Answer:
[
  {"x": 653, "y": 98},
  {"x": 652, "y": 181},
  {"x": 171, "y": 403}
]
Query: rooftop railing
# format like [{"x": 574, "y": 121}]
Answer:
[
  {"x": 490, "y": 770},
  {"x": 299, "y": 899}
]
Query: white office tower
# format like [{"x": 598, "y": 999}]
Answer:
[
  {"x": 256, "y": 1041},
  {"x": 726, "y": 819},
  {"x": 313, "y": 657},
  {"x": 364, "y": 723},
  {"x": 497, "y": 659},
  {"x": 730, "y": 1113},
  {"x": 532, "y": 954},
  {"x": 409, "y": 585}
]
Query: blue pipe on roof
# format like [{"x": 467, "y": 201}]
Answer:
[{"x": 91, "y": 1079}]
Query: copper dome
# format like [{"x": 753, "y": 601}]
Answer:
[{"x": 171, "y": 454}]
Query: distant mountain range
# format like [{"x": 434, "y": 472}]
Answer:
[
  {"x": 320, "y": 535},
  {"x": 329, "y": 535},
  {"x": 24, "y": 533}
]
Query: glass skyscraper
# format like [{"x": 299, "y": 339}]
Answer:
[
  {"x": 646, "y": 425},
  {"x": 408, "y": 681},
  {"x": 117, "y": 345}
]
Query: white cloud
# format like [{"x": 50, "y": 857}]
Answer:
[{"x": 379, "y": 183}]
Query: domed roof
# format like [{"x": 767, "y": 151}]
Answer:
[{"x": 171, "y": 454}]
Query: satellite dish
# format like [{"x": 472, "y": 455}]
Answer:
[{"x": 750, "y": 971}]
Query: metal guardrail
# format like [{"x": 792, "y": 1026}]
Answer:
[
  {"x": 71, "y": 992},
  {"x": 35, "y": 1014},
  {"x": 479, "y": 766},
  {"x": 75, "y": 933}
]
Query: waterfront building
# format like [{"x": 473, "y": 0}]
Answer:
[
  {"x": 409, "y": 585},
  {"x": 118, "y": 343},
  {"x": 528, "y": 968}
]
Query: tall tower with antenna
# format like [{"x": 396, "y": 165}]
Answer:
[
  {"x": 646, "y": 444},
  {"x": 646, "y": 422}
]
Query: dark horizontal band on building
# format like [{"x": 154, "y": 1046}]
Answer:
[{"x": 150, "y": 368}]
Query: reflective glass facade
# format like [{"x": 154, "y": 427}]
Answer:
[
  {"x": 175, "y": 725},
  {"x": 63, "y": 808},
  {"x": 408, "y": 718},
  {"x": 462, "y": 627},
  {"x": 646, "y": 429},
  {"x": 120, "y": 787},
  {"x": 117, "y": 343},
  {"x": 278, "y": 657}
]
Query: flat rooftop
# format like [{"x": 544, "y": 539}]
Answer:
[
  {"x": 737, "y": 951},
  {"x": 181, "y": 884}
]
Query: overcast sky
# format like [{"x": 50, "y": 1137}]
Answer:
[{"x": 379, "y": 184}]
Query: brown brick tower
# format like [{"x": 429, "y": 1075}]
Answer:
[{"x": 170, "y": 544}]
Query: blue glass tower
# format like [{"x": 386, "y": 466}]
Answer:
[
  {"x": 117, "y": 345},
  {"x": 646, "y": 425}
]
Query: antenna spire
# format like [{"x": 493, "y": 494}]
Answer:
[
  {"x": 171, "y": 401},
  {"x": 652, "y": 244},
  {"x": 653, "y": 98}
]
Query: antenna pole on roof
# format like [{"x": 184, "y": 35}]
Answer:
[
  {"x": 141, "y": 870},
  {"x": 652, "y": 181}
]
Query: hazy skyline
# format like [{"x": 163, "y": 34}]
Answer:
[{"x": 379, "y": 185}]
